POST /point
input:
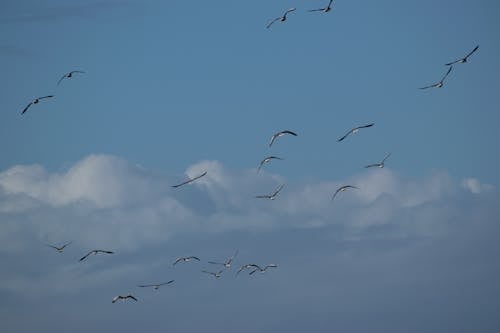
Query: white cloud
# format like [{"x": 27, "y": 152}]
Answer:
[{"x": 475, "y": 186}]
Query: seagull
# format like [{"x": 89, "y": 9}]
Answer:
[
  {"x": 246, "y": 266},
  {"x": 215, "y": 274},
  {"x": 342, "y": 189},
  {"x": 281, "y": 18},
  {"x": 326, "y": 9},
  {"x": 262, "y": 270},
  {"x": 155, "y": 286},
  {"x": 190, "y": 180},
  {"x": 266, "y": 160},
  {"x": 68, "y": 75},
  {"x": 381, "y": 164},
  {"x": 464, "y": 59},
  {"x": 35, "y": 101},
  {"x": 185, "y": 259},
  {"x": 95, "y": 252},
  {"x": 277, "y": 135},
  {"x": 440, "y": 83},
  {"x": 355, "y": 130},
  {"x": 271, "y": 196},
  {"x": 116, "y": 298},
  {"x": 227, "y": 263},
  {"x": 61, "y": 248}
]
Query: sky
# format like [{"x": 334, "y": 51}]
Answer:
[{"x": 175, "y": 88}]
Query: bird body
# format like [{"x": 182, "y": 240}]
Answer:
[
  {"x": 262, "y": 270},
  {"x": 69, "y": 75},
  {"x": 342, "y": 189},
  {"x": 120, "y": 297},
  {"x": 281, "y": 18},
  {"x": 227, "y": 263},
  {"x": 271, "y": 196},
  {"x": 440, "y": 83},
  {"x": 95, "y": 252},
  {"x": 381, "y": 164},
  {"x": 355, "y": 130},
  {"x": 464, "y": 59},
  {"x": 59, "y": 249},
  {"x": 35, "y": 101},
  {"x": 217, "y": 274},
  {"x": 190, "y": 180},
  {"x": 185, "y": 259},
  {"x": 279, "y": 134},
  {"x": 324, "y": 9},
  {"x": 267, "y": 160},
  {"x": 246, "y": 266}
]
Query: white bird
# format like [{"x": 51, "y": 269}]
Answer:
[
  {"x": 464, "y": 59},
  {"x": 325, "y": 9},
  {"x": 271, "y": 196},
  {"x": 342, "y": 189},
  {"x": 227, "y": 263},
  {"x": 279, "y": 134},
  {"x": 129, "y": 296},
  {"x": 155, "y": 286},
  {"x": 355, "y": 130},
  {"x": 440, "y": 83},
  {"x": 381, "y": 164},
  {"x": 185, "y": 259},
  {"x": 94, "y": 252},
  {"x": 59, "y": 249},
  {"x": 215, "y": 274},
  {"x": 246, "y": 266},
  {"x": 35, "y": 101},
  {"x": 190, "y": 180},
  {"x": 267, "y": 160},
  {"x": 281, "y": 18},
  {"x": 69, "y": 75},
  {"x": 262, "y": 270}
]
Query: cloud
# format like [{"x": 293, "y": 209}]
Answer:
[{"x": 475, "y": 186}]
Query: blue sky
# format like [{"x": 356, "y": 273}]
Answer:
[{"x": 174, "y": 88}]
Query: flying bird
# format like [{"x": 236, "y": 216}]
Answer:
[
  {"x": 116, "y": 298},
  {"x": 60, "y": 249},
  {"x": 68, "y": 75},
  {"x": 271, "y": 196},
  {"x": 342, "y": 189},
  {"x": 190, "y": 180},
  {"x": 262, "y": 270},
  {"x": 215, "y": 274},
  {"x": 325, "y": 9},
  {"x": 246, "y": 266},
  {"x": 464, "y": 59},
  {"x": 381, "y": 164},
  {"x": 277, "y": 135},
  {"x": 267, "y": 160},
  {"x": 281, "y": 18},
  {"x": 440, "y": 83},
  {"x": 155, "y": 286},
  {"x": 94, "y": 252},
  {"x": 355, "y": 130},
  {"x": 185, "y": 259},
  {"x": 227, "y": 263},
  {"x": 35, "y": 101}
]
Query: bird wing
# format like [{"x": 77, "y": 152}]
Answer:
[
  {"x": 82, "y": 72},
  {"x": 193, "y": 257},
  {"x": 470, "y": 53},
  {"x": 289, "y": 11},
  {"x": 177, "y": 260},
  {"x": 211, "y": 273},
  {"x": 85, "y": 256},
  {"x": 132, "y": 297},
  {"x": 386, "y": 157},
  {"x": 336, "y": 192},
  {"x": 146, "y": 285},
  {"x": 62, "y": 78},
  {"x": 216, "y": 263},
  {"x": 316, "y": 10},
  {"x": 105, "y": 251},
  {"x": 272, "y": 21},
  {"x": 266, "y": 196},
  {"x": 273, "y": 138},
  {"x": 270, "y": 266},
  {"x": 168, "y": 282},
  {"x": 448, "y": 72},
  {"x": 345, "y": 136},
  {"x": 372, "y": 165},
  {"x": 62, "y": 247},
  {"x": 431, "y": 86},
  {"x": 190, "y": 180},
  {"x": 278, "y": 190},
  {"x": 54, "y": 247},
  {"x": 289, "y": 132},
  {"x": 365, "y": 126},
  {"x": 48, "y": 96},
  {"x": 115, "y": 299},
  {"x": 453, "y": 62},
  {"x": 27, "y": 107}
]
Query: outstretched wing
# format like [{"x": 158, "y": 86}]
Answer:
[
  {"x": 190, "y": 180},
  {"x": 372, "y": 165},
  {"x": 26, "y": 108},
  {"x": 386, "y": 157},
  {"x": 470, "y": 53},
  {"x": 272, "y": 21},
  {"x": 447, "y": 73},
  {"x": 345, "y": 136},
  {"x": 85, "y": 256},
  {"x": 431, "y": 86}
]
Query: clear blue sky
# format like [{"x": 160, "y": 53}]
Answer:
[{"x": 176, "y": 87}]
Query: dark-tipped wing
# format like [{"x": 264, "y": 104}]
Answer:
[
  {"x": 85, "y": 256},
  {"x": 62, "y": 78},
  {"x": 447, "y": 73},
  {"x": 177, "y": 260},
  {"x": 289, "y": 11},
  {"x": 470, "y": 53},
  {"x": 316, "y": 10},
  {"x": 386, "y": 157},
  {"x": 104, "y": 251},
  {"x": 345, "y": 136},
  {"x": 190, "y": 180},
  {"x": 193, "y": 257},
  {"x": 278, "y": 190},
  {"x": 272, "y": 21},
  {"x": 431, "y": 86},
  {"x": 48, "y": 96},
  {"x": 27, "y": 107},
  {"x": 81, "y": 72},
  {"x": 372, "y": 165},
  {"x": 55, "y": 247},
  {"x": 132, "y": 297},
  {"x": 365, "y": 126}
]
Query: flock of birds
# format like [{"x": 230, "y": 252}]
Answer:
[{"x": 227, "y": 264}]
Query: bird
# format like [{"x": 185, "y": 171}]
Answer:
[
  {"x": 190, "y": 180},
  {"x": 185, "y": 259},
  {"x": 69, "y": 75},
  {"x": 60, "y": 249},
  {"x": 355, "y": 130},
  {"x": 227, "y": 263},
  {"x": 342, "y": 189},
  {"x": 266, "y": 160},
  {"x": 246, "y": 266},
  {"x": 35, "y": 101},
  {"x": 277, "y": 135},
  {"x": 381, "y": 164},
  {"x": 281, "y": 18},
  {"x": 464, "y": 59},
  {"x": 440, "y": 83},
  {"x": 271, "y": 196},
  {"x": 129, "y": 296},
  {"x": 262, "y": 270},
  {"x": 215, "y": 274},
  {"x": 325, "y": 9},
  {"x": 155, "y": 286},
  {"x": 95, "y": 252}
]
